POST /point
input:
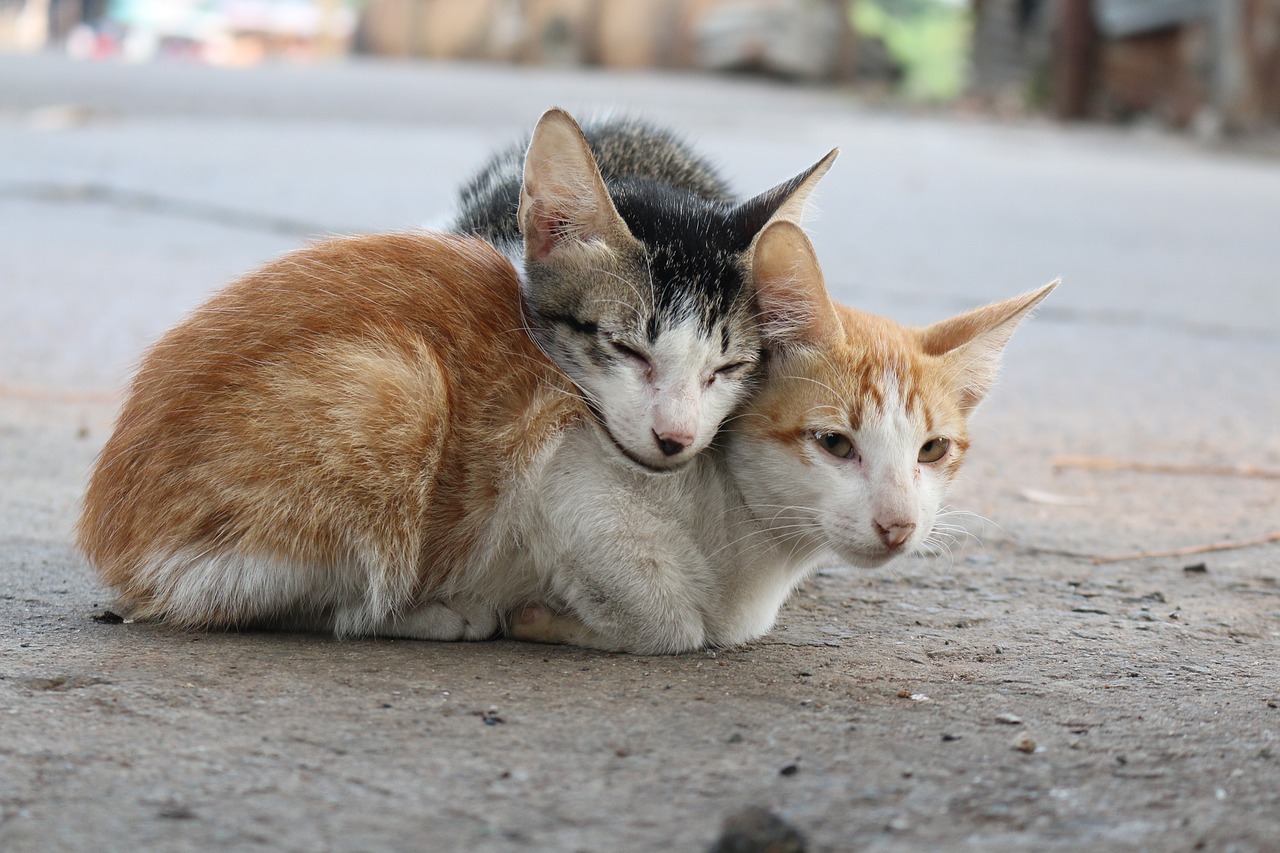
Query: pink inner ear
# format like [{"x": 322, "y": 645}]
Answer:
[{"x": 547, "y": 228}]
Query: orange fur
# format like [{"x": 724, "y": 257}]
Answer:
[{"x": 303, "y": 412}]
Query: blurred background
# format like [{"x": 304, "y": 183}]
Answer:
[{"x": 1209, "y": 67}]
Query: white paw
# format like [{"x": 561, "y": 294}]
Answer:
[{"x": 452, "y": 621}]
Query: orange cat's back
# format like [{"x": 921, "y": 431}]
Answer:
[{"x": 322, "y": 436}]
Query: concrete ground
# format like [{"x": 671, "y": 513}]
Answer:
[{"x": 1014, "y": 696}]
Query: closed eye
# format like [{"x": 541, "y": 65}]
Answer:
[
  {"x": 630, "y": 353},
  {"x": 731, "y": 370}
]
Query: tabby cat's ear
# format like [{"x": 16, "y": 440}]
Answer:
[
  {"x": 785, "y": 202},
  {"x": 791, "y": 296},
  {"x": 972, "y": 343},
  {"x": 563, "y": 199}
]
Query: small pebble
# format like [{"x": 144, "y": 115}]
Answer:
[
  {"x": 1009, "y": 719},
  {"x": 758, "y": 830},
  {"x": 1196, "y": 569},
  {"x": 1024, "y": 743}
]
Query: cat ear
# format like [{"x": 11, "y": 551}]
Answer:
[
  {"x": 973, "y": 342},
  {"x": 563, "y": 199},
  {"x": 791, "y": 296},
  {"x": 785, "y": 202}
]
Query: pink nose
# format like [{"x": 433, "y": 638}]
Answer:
[
  {"x": 671, "y": 443},
  {"x": 894, "y": 533}
]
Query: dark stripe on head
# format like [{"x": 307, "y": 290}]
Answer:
[
  {"x": 582, "y": 327},
  {"x": 693, "y": 248}
]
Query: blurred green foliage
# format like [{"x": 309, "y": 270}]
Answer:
[{"x": 929, "y": 38}]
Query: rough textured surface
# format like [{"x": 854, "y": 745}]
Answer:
[{"x": 1014, "y": 696}]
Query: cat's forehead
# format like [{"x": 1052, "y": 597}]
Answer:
[
  {"x": 882, "y": 385},
  {"x": 692, "y": 249},
  {"x": 688, "y": 344},
  {"x": 876, "y": 374}
]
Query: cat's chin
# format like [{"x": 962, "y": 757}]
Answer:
[{"x": 863, "y": 560}]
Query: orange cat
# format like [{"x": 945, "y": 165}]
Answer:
[{"x": 361, "y": 437}]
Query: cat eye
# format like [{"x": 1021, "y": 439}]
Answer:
[
  {"x": 839, "y": 446},
  {"x": 732, "y": 369},
  {"x": 934, "y": 449},
  {"x": 629, "y": 352},
  {"x": 729, "y": 371}
]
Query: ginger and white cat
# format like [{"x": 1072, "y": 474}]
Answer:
[{"x": 362, "y": 438}]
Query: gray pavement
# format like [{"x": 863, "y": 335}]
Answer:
[{"x": 128, "y": 194}]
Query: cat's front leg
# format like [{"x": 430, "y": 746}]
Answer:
[
  {"x": 635, "y": 586},
  {"x": 617, "y": 554}
]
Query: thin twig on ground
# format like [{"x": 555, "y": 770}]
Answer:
[
  {"x": 1193, "y": 549},
  {"x": 1103, "y": 463}
]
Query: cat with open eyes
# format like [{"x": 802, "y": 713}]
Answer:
[
  {"x": 653, "y": 319},
  {"x": 362, "y": 438}
]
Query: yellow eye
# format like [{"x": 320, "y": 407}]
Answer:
[
  {"x": 934, "y": 449},
  {"x": 839, "y": 446}
]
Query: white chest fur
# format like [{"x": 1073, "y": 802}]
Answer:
[{"x": 645, "y": 562}]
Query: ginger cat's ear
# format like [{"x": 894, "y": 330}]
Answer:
[
  {"x": 972, "y": 342},
  {"x": 563, "y": 199},
  {"x": 786, "y": 202},
  {"x": 791, "y": 296}
]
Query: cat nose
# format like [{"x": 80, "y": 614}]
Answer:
[
  {"x": 894, "y": 533},
  {"x": 671, "y": 444}
]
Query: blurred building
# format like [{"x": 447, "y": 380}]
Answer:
[
  {"x": 1210, "y": 63},
  {"x": 223, "y": 32},
  {"x": 807, "y": 39}
]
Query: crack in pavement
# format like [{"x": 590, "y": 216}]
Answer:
[{"x": 147, "y": 202}]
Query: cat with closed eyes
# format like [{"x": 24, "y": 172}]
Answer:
[
  {"x": 362, "y": 438},
  {"x": 634, "y": 261}
]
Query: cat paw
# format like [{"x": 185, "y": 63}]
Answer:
[
  {"x": 451, "y": 622},
  {"x": 538, "y": 624}
]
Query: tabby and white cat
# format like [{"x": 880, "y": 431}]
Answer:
[
  {"x": 361, "y": 438},
  {"x": 635, "y": 263}
]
